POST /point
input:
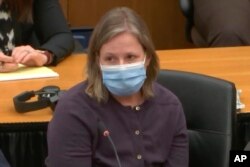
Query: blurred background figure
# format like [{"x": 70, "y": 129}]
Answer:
[
  {"x": 33, "y": 33},
  {"x": 218, "y": 23}
]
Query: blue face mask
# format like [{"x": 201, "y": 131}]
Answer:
[{"x": 124, "y": 80}]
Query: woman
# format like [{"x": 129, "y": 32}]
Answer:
[
  {"x": 119, "y": 101},
  {"x": 33, "y": 33}
]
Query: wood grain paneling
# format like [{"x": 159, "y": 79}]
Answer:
[
  {"x": 163, "y": 18},
  {"x": 64, "y": 4}
]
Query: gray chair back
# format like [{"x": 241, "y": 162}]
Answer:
[{"x": 210, "y": 107}]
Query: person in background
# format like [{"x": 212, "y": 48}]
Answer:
[
  {"x": 120, "y": 103},
  {"x": 223, "y": 22},
  {"x": 33, "y": 33}
]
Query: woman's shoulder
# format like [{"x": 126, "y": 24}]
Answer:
[
  {"x": 164, "y": 95},
  {"x": 77, "y": 89},
  {"x": 76, "y": 105},
  {"x": 73, "y": 99},
  {"x": 166, "y": 101}
]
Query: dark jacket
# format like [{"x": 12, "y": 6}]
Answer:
[
  {"x": 152, "y": 134},
  {"x": 49, "y": 30}
]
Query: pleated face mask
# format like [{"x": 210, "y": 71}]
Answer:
[{"x": 124, "y": 80}]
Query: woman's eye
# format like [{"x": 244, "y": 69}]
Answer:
[
  {"x": 131, "y": 57},
  {"x": 109, "y": 59}
]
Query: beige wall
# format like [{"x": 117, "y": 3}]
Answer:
[{"x": 163, "y": 18}]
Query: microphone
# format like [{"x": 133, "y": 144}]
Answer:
[{"x": 106, "y": 133}]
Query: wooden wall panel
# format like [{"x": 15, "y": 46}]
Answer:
[
  {"x": 163, "y": 17},
  {"x": 64, "y": 4}
]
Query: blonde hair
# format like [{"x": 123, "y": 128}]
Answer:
[{"x": 113, "y": 23}]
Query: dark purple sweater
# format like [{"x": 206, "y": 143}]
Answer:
[{"x": 153, "y": 134}]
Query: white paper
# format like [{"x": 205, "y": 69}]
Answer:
[{"x": 28, "y": 73}]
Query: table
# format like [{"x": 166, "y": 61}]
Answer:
[
  {"x": 23, "y": 135},
  {"x": 230, "y": 63},
  {"x": 71, "y": 71}
]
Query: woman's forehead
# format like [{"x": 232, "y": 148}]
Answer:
[{"x": 125, "y": 42}]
